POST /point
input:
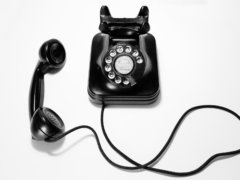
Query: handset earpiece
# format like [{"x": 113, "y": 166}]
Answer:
[
  {"x": 45, "y": 123},
  {"x": 52, "y": 56}
]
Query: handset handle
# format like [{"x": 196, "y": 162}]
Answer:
[{"x": 36, "y": 90}]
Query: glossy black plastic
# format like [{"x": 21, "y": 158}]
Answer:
[
  {"x": 52, "y": 59},
  {"x": 100, "y": 88},
  {"x": 124, "y": 26},
  {"x": 45, "y": 123},
  {"x": 52, "y": 56}
]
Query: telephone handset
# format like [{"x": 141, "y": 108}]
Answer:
[{"x": 123, "y": 66}]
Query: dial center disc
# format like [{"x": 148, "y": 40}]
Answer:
[{"x": 124, "y": 64}]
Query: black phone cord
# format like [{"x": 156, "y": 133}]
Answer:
[{"x": 148, "y": 165}]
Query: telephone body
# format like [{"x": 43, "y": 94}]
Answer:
[{"x": 123, "y": 65}]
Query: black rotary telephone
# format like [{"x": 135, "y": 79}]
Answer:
[
  {"x": 123, "y": 70},
  {"x": 123, "y": 65}
]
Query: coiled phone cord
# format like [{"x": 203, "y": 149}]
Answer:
[{"x": 148, "y": 165}]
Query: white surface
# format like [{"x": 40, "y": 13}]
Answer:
[{"x": 199, "y": 58}]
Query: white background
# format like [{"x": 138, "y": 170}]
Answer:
[{"x": 199, "y": 63}]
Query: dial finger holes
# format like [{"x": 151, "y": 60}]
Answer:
[
  {"x": 120, "y": 63},
  {"x": 118, "y": 80},
  {"x": 111, "y": 75},
  {"x": 139, "y": 60},
  {"x": 113, "y": 53},
  {"x": 108, "y": 60},
  {"x": 119, "y": 49},
  {"x": 126, "y": 82},
  {"x": 108, "y": 68},
  {"x": 135, "y": 53},
  {"x": 128, "y": 49}
]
